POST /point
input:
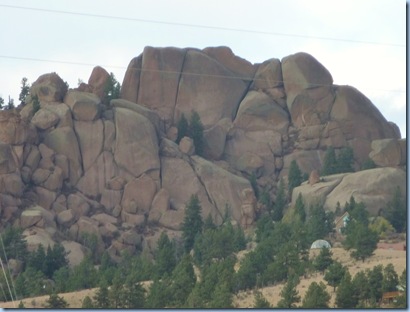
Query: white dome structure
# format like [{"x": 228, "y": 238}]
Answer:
[{"x": 319, "y": 244}]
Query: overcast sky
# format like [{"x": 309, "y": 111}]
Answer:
[{"x": 367, "y": 49}]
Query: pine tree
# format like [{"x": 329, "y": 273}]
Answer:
[
  {"x": 289, "y": 294},
  {"x": 196, "y": 130},
  {"x": 183, "y": 281},
  {"x": 192, "y": 224},
  {"x": 294, "y": 177},
  {"x": 361, "y": 239},
  {"x": 165, "y": 255},
  {"x": 323, "y": 260},
  {"x": 361, "y": 287},
  {"x": 375, "y": 278},
  {"x": 334, "y": 274},
  {"x": 280, "y": 202},
  {"x": 111, "y": 90},
  {"x": 396, "y": 212},
  {"x": 316, "y": 297},
  {"x": 330, "y": 162},
  {"x": 87, "y": 303},
  {"x": 345, "y": 296},
  {"x": 56, "y": 302},
  {"x": 260, "y": 301},
  {"x": 345, "y": 160},
  {"x": 25, "y": 89},
  {"x": 390, "y": 278},
  {"x": 222, "y": 297},
  {"x": 300, "y": 208},
  {"x": 182, "y": 128},
  {"x": 101, "y": 298}
]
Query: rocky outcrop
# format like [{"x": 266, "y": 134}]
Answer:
[
  {"x": 375, "y": 193},
  {"x": 389, "y": 152},
  {"x": 115, "y": 171}
]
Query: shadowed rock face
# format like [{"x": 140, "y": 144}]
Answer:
[{"x": 107, "y": 170}]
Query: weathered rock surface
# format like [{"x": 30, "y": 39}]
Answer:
[
  {"x": 85, "y": 106},
  {"x": 388, "y": 152},
  {"x": 76, "y": 166},
  {"x": 49, "y": 88},
  {"x": 135, "y": 135},
  {"x": 215, "y": 94},
  {"x": 375, "y": 193}
]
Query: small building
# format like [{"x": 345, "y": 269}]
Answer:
[
  {"x": 391, "y": 296},
  {"x": 341, "y": 222},
  {"x": 319, "y": 244}
]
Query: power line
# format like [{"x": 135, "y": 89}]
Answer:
[
  {"x": 170, "y": 72},
  {"x": 261, "y": 32}
]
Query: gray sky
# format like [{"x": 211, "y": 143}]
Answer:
[{"x": 368, "y": 50}]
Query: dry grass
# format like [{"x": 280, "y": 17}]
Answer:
[{"x": 272, "y": 294}]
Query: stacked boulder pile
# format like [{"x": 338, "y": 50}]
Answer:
[{"x": 115, "y": 171}]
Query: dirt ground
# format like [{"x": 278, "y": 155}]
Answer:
[{"x": 272, "y": 294}]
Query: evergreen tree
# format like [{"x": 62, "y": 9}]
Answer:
[
  {"x": 165, "y": 255},
  {"x": 25, "y": 89},
  {"x": 300, "y": 208},
  {"x": 266, "y": 200},
  {"x": 101, "y": 298},
  {"x": 319, "y": 224},
  {"x": 254, "y": 184},
  {"x": 323, "y": 260},
  {"x": 222, "y": 297},
  {"x": 183, "y": 281},
  {"x": 196, "y": 130},
  {"x": 192, "y": 224},
  {"x": 159, "y": 295},
  {"x": 345, "y": 160},
  {"x": 87, "y": 303},
  {"x": 112, "y": 89},
  {"x": 15, "y": 245},
  {"x": 368, "y": 164},
  {"x": 361, "y": 287},
  {"x": 402, "y": 299},
  {"x": 361, "y": 239},
  {"x": 375, "y": 278},
  {"x": 294, "y": 176},
  {"x": 316, "y": 297},
  {"x": 1, "y": 102},
  {"x": 21, "y": 305},
  {"x": 55, "y": 259},
  {"x": 334, "y": 274},
  {"x": 134, "y": 293},
  {"x": 260, "y": 301},
  {"x": 280, "y": 202},
  {"x": 61, "y": 279},
  {"x": 345, "y": 296},
  {"x": 115, "y": 294},
  {"x": 396, "y": 212},
  {"x": 390, "y": 278},
  {"x": 209, "y": 223},
  {"x": 182, "y": 128},
  {"x": 289, "y": 294},
  {"x": 56, "y": 302},
  {"x": 330, "y": 162}
]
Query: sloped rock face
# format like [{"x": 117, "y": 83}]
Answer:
[
  {"x": 375, "y": 193},
  {"x": 115, "y": 171}
]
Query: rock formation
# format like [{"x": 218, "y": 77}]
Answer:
[{"x": 78, "y": 166}]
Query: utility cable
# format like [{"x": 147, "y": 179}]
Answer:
[
  {"x": 260, "y": 32},
  {"x": 172, "y": 72}
]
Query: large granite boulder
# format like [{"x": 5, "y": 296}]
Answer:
[
  {"x": 49, "y": 88},
  {"x": 136, "y": 148},
  {"x": 85, "y": 106},
  {"x": 208, "y": 88},
  {"x": 388, "y": 152}
]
